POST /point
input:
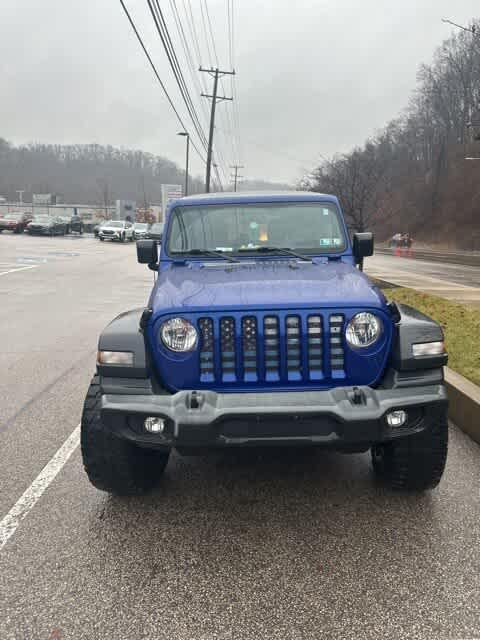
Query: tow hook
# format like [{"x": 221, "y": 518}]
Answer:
[
  {"x": 357, "y": 396},
  {"x": 195, "y": 400}
]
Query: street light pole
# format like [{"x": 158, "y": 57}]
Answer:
[{"x": 186, "y": 135}]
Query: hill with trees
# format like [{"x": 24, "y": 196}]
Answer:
[
  {"x": 88, "y": 174},
  {"x": 412, "y": 175}
]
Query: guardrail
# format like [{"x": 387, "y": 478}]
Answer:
[{"x": 452, "y": 257}]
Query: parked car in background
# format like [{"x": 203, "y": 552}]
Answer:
[
  {"x": 66, "y": 220},
  {"x": 16, "y": 222},
  {"x": 46, "y": 225},
  {"x": 140, "y": 230},
  {"x": 120, "y": 230},
  {"x": 76, "y": 224},
  {"x": 156, "y": 231}
]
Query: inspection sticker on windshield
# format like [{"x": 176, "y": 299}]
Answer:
[
  {"x": 224, "y": 249},
  {"x": 326, "y": 242}
]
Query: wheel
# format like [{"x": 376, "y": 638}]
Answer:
[
  {"x": 413, "y": 463},
  {"x": 101, "y": 239},
  {"x": 113, "y": 464}
]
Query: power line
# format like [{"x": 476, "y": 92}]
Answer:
[
  {"x": 226, "y": 113},
  {"x": 161, "y": 26},
  {"x": 132, "y": 24}
]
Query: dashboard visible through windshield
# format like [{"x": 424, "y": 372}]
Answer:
[{"x": 313, "y": 228}]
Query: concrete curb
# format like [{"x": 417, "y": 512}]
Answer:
[{"x": 464, "y": 398}]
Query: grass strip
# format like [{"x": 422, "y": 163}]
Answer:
[{"x": 461, "y": 325}]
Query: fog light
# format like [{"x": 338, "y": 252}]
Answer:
[
  {"x": 396, "y": 418},
  {"x": 154, "y": 424}
]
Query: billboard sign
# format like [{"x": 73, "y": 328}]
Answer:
[{"x": 44, "y": 199}]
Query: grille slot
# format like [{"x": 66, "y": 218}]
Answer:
[
  {"x": 227, "y": 342},
  {"x": 315, "y": 347},
  {"x": 249, "y": 344},
  {"x": 294, "y": 347},
  {"x": 272, "y": 348},
  {"x": 206, "y": 350},
  {"x": 337, "y": 352}
]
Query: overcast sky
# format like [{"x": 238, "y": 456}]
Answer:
[{"x": 313, "y": 76}]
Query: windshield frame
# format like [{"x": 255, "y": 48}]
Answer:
[{"x": 344, "y": 249}]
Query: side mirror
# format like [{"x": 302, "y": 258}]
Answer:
[
  {"x": 362, "y": 246},
  {"x": 147, "y": 252}
]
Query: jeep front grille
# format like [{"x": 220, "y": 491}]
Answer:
[{"x": 272, "y": 348}]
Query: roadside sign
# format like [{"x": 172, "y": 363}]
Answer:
[{"x": 170, "y": 192}]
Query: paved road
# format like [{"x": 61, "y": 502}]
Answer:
[
  {"x": 234, "y": 546},
  {"x": 457, "y": 282}
]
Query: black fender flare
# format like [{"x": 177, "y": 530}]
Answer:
[
  {"x": 124, "y": 333},
  {"x": 415, "y": 327}
]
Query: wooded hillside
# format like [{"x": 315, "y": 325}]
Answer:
[{"x": 413, "y": 175}]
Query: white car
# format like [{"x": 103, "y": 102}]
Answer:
[{"x": 116, "y": 230}]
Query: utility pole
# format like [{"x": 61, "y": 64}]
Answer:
[
  {"x": 187, "y": 136},
  {"x": 216, "y": 74},
  {"x": 235, "y": 176}
]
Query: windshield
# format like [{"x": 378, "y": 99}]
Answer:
[
  {"x": 41, "y": 218},
  {"x": 13, "y": 216},
  {"x": 113, "y": 223},
  {"x": 313, "y": 227},
  {"x": 140, "y": 226}
]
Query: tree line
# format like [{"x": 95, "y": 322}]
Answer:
[
  {"x": 86, "y": 173},
  {"x": 412, "y": 176}
]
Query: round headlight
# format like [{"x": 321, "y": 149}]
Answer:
[
  {"x": 363, "y": 330},
  {"x": 179, "y": 335}
]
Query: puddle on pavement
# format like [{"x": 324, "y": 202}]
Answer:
[{"x": 31, "y": 260}]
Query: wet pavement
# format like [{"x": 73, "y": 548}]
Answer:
[
  {"x": 274, "y": 544},
  {"x": 456, "y": 282}
]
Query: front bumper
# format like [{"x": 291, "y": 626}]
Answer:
[{"x": 338, "y": 417}]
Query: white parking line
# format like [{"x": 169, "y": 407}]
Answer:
[
  {"x": 28, "y": 500},
  {"x": 4, "y": 273}
]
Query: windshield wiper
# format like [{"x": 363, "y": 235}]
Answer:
[
  {"x": 283, "y": 250},
  {"x": 206, "y": 252}
]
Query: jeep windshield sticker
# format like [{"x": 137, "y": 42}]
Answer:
[
  {"x": 224, "y": 249},
  {"x": 326, "y": 212},
  {"x": 330, "y": 242}
]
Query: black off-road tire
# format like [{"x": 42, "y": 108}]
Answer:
[
  {"x": 100, "y": 238},
  {"x": 113, "y": 464},
  {"x": 414, "y": 463}
]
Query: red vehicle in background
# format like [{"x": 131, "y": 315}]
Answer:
[{"x": 16, "y": 222}]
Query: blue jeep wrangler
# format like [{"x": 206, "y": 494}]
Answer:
[{"x": 262, "y": 330}]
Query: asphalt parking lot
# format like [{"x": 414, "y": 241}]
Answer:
[{"x": 272, "y": 545}]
